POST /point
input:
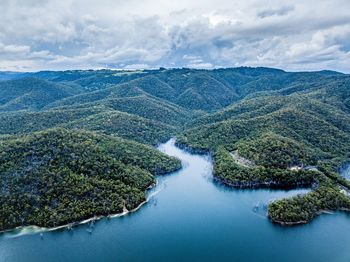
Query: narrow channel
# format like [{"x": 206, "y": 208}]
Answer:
[{"x": 190, "y": 218}]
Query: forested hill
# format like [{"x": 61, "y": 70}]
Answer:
[
  {"x": 58, "y": 176},
  {"x": 32, "y": 93},
  {"x": 291, "y": 127},
  {"x": 207, "y": 90}
]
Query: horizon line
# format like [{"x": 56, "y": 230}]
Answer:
[{"x": 172, "y": 68}]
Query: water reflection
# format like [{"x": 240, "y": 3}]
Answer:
[{"x": 190, "y": 218}]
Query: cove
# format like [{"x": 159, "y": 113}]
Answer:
[{"x": 190, "y": 218}]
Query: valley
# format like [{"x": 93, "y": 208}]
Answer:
[
  {"x": 188, "y": 215},
  {"x": 78, "y": 144}
]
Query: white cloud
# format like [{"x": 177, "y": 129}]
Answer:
[
  {"x": 293, "y": 35},
  {"x": 136, "y": 66},
  {"x": 200, "y": 65},
  {"x": 6, "y": 50}
]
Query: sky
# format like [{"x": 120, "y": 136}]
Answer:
[{"x": 298, "y": 35}]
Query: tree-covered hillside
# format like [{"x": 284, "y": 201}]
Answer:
[
  {"x": 58, "y": 176},
  {"x": 207, "y": 90},
  {"x": 32, "y": 93},
  {"x": 125, "y": 125},
  {"x": 99, "y": 119},
  {"x": 265, "y": 127},
  {"x": 290, "y": 134},
  {"x": 142, "y": 105},
  {"x": 320, "y": 124}
]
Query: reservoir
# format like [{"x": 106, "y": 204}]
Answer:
[{"x": 189, "y": 218}]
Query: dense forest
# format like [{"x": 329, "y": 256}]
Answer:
[
  {"x": 78, "y": 143},
  {"x": 301, "y": 209},
  {"x": 54, "y": 177}
]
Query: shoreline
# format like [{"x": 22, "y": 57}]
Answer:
[
  {"x": 36, "y": 229},
  {"x": 192, "y": 150},
  {"x": 304, "y": 222},
  {"x": 233, "y": 185}
]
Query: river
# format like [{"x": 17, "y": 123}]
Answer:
[{"x": 190, "y": 218}]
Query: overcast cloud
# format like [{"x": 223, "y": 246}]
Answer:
[{"x": 71, "y": 34}]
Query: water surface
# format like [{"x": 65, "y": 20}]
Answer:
[
  {"x": 345, "y": 172},
  {"x": 190, "y": 219}
]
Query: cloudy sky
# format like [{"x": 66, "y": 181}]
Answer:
[{"x": 70, "y": 34}]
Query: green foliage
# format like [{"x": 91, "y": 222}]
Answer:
[
  {"x": 27, "y": 122},
  {"x": 303, "y": 208},
  {"x": 31, "y": 94},
  {"x": 271, "y": 150},
  {"x": 274, "y": 118},
  {"x": 97, "y": 119},
  {"x": 142, "y": 105},
  {"x": 189, "y": 88},
  {"x": 322, "y": 131},
  {"x": 307, "y": 122},
  {"x": 58, "y": 176},
  {"x": 90, "y": 80},
  {"x": 228, "y": 171},
  {"x": 126, "y": 126}
]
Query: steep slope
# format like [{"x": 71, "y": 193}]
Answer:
[
  {"x": 203, "y": 92},
  {"x": 198, "y": 91},
  {"x": 290, "y": 137},
  {"x": 206, "y": 90},
  {"x": 27, "y": 122},
  {"x": 151, "y": 108},
  {"x": 31, "y": 94},
  {"x": 211, "y": 90},
  {"x": 317, "y": 130},
  {"x": 316, "y": 115},
  {"x": 265, "y": 127},
  {"x": 125, "y": 125},
  {"x": 141, "y": 105},
  {"x": 58, "y": 176},
  {"x": 95, "y": 96},
  {"x": 146, "y": 85},
  {"x": 301, "y": 209},
  {"x": 191, "y": 89},
  {"x": 98, "y": 119}
]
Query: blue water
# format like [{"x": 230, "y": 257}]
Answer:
[
  {"x": 190, "y": 219},
  {"x": 345, "y": 172}
]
